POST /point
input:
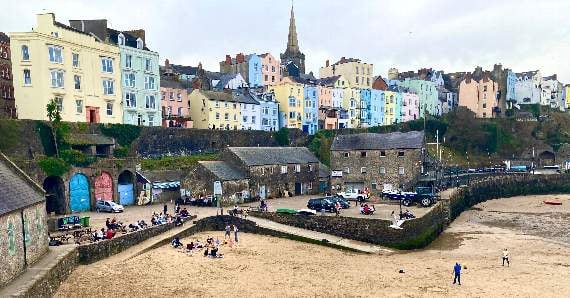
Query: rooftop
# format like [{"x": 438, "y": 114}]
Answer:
[
  {"x": 222, "y": 170},
  {"x": 375, "y": 141},
  {"x": 17, "y": 190},
  {"x": 257, "y": 156}
]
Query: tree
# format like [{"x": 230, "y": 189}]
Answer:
[
  {"x": 54, "y": 117},
  {"x": 282, "y": 136}
]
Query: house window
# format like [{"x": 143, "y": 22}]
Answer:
[
  {"x": 244, "y": 118},
  {"x": 179, "y": 111},
  {"x": 310, "y": 168},
  {"x": 382, "y": 171},
  {"x": 169, "y": 111},
  {"x": 252, "y": 119},
  {"x": 291, "y": 101},
  {"x": 27, "y": 77},
  {"x": 374, "y": 185},
  {"x": 217, "y": 116},
  {"x": 140, "y": 44},
  {"x": 382, "y": 153},
  {"x": 75, "y": 59},
  {"x": 130, "y": 80},
  {"x": 363, "y": 154},
  {"x": 108, "y": 87},
  {"x": 297, "y": 168},
  {"x": 25, "y": 53},
  {"x": 400, "y": 153},
  {"x": 310, "y": 185},
  {"x": 171, "y": 96},
  {"x": 148, "y": 64},
  {"x": 128, "y": 61},
  {"x": 59, "y": 103},
  {"x": 292, "y": 115},
  {"x": 217, "y": 104},
  {"x": 79, "y": 106},
  {"x": 363, "y": 170},
  {"x": 150, "y": 102},
  {"x": 77, "y": 82},
  {"x": 401, "y": 171},
  {"x": 55, "y": 55},
  {"x": 283, "y": 169},
  {"x": 226, "y": 116},
  {"x": 484, "y": 88},
  {"x": 149, "y": 83},
  {"x": 56, "y": 78},
  {"x": 121, "y": 39},
  {"x": 130, "y": 100},
  {"x": 150, "y": 120},
  {"x": 484, "y": 106},
  {"x": 106, "y": 65},
  {"x": 346, "y": 154},
  {"x": 347, "y": 170},
  {"x": 179, "y": 97},
  {"x": 109, "y": 109}
]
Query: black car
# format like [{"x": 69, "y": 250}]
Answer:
[
  {"x": 321, "y": 203},
  {"x": 344, "y": 204}
]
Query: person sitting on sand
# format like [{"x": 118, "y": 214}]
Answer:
[
  {"x": 206, "y": 252},
  {"x": 190, "y": 246},
  {"x": 184, "y": 212},
  {"x": 110, "y": 234},
  {"x": 214, "y": 252},
  {"x": 176, "y": 242},
  {"x": 198, "y": 244}
]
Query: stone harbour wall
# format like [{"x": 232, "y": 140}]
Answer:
[{"x": 48, "y": 284}]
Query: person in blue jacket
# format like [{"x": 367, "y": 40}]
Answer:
[{"x": 457, "y": 273}]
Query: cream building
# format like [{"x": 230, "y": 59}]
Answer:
[
  {"x": 290, "y": 95},
  {"x": 358, "y": 73},
  {"x": 81, "y": 73}
]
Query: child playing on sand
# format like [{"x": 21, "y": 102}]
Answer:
[{"x": 506, "y": 257}]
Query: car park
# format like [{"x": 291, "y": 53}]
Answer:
[{"x": 108, "y": 206}]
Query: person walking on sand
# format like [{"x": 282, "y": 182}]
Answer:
[
  {"x": 235, "y": 228},
  {"x": 457, "y": 273},
  {"x": 506, "y": 257},
  {"x": 227, "y": 234}
]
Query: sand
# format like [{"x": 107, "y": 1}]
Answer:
[{"x": 263, "y": 266}]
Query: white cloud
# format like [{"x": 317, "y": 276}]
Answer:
[{"x": 408, "y": 34}]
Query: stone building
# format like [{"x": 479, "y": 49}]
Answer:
[
  {"x": 376, "y": 161},
  {"x": 23, "y": 221},
  {"x": 358, "y": 74},
  {"x": 267, "y": 171},
  {"x": 7, "y": 104}
]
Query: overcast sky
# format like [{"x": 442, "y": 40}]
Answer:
[{"x": 452, "y": 35}]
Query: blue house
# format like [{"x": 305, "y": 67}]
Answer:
[
  {"x": 376, "y": 107},
  {"x": 255, "y": 78},
  {"x": 365, "y": 108},
  {"x": 310, "y": 112}
]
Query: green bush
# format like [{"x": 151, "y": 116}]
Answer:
[
  {"x": 282, "y": 136},
  {"x": 176, "y": 162},
  {"x": 124, "y": 134},
  {"x": 76, "y": 158},
  {"x": 121, "y": 152},
  {"x": 53, "y": 166}
]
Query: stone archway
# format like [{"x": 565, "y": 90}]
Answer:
[
  {"x": 126, "y": 188},
  {"x": 103, "y": 187},
  {"x": 55, "y": 195}
]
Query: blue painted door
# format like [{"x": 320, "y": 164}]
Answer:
[
  {"x": 126, "y": 194},
  {"x": 79, "y": 193}
]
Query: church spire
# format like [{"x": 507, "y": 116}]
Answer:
[{"x": 292, "y": 42}]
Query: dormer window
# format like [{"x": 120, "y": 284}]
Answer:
[
  {"x": 140, "y": 44},
  {"x": 121, "y": 39}
]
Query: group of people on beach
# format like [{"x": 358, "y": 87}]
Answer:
[
  {"x": 457, "y": 267},
  {"x": 211, "y": 246}
]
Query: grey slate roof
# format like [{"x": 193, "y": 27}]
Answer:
[
  {"x": 224, "y": 80},
  {"x": 328, "y": 81},
  {"x": 324, "y": 171},
  {"x": 257, "y": 156},
  {"x": 89, "y": 139},
  {"x": 222, "y": 170},
  {"x": 17, "y": 191},
  {"x": 375, "y": 141},
  {"x": 236, "y": 96}
]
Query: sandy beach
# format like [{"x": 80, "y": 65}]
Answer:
[{"x": 537, "y": 236}]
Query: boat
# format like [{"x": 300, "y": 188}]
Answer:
[
  {"x": 286, "y": 211},
  {"x": 552, "y": 202}
]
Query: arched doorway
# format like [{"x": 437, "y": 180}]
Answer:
[
  {"x": 79, "y": 193},
  {"x": 126, "y": 189},
  {"x": 55, "y": 195},
  {"x": 104, "y": 187}
]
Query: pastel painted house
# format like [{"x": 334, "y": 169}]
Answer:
[
  {"x": 377, "y": 105},
  {"x": 175, "y": 104},
  {"x": 250, "y": 110},
  {"x": 410, "y": 109},
  {"x": 479, "y": 95},
  {"x": 527, "y": 87},
  {"x": 269, "y": 111},
  {"x": 249, "y": 66},
  {"x": 290, "y": 96},
  {"x": 365, "y": 108},
  {"x": 270, "y": 69},
  {"x": 427, "y": 92},
  {"x": 310, "y": 110}
]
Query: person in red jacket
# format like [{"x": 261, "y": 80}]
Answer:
[{"x": 110, "y": 234}]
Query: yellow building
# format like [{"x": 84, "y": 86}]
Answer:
[
  {"x": 290, "y": 96},
  {"x": 351, "y": 103},
  {"x": 57, "y": 62},
  {"x": 214, "y": 110},
  {"x": 358, "y": 73},
  {"x": 390, "y": 100},
  {"x": 567, "y": 94}
]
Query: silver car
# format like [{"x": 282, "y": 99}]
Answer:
[{"x": 108, "y": 206}]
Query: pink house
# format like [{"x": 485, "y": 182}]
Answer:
[
  {"x": 479, "y": 95},
  {"x": 270, "y": 69},
  {"x": 328, "y": 117},
  {"x": 175, "y": 104},
  {"x": 410, "y": 106}
]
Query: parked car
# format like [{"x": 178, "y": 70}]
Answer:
[
  {"x": 108, "y": 206},
  {"x": 422, "y": 196},
  {"x": 344, "y": 204},
  {"x": 320, "y": 204},
  {"x": 354, "y": 195}
]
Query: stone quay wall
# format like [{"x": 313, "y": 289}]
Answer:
[{"x": 47, "y": 285}]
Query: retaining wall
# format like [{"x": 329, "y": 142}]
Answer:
[{"x": 47, "y": 285}]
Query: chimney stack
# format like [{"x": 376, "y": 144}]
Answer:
[
  {"x": 166, "y": 63},
  {"x": 327, "y": 63},
  {"x": 228, "y": 59},
  {"x": 240, "y": 58}
]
